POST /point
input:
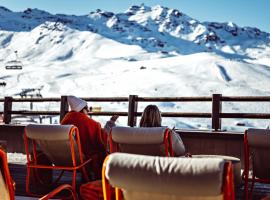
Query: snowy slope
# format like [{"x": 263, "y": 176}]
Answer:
[
  {"x": 148, "y": 51},
  {"x": 152, "y": 28}
]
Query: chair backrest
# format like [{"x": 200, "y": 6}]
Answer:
[
  {"x": 60, "y": 143},
  {"x": 6, "y": 184},
  {"x": 148, "y": 177},
  {"x": 258, "y": 145},
  {"x": 145, "y": 141}
]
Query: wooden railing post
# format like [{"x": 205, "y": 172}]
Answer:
[
  {"x": 216, "y": 110},
  {"x": 132, "y": 109},
  {"x": 63, "y": 107},
  {"x": 7, "y": 110}
]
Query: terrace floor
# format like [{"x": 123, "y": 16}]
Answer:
[{"x": 18, "y": 173}]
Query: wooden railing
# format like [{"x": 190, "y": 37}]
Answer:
[{"x": 132, "y": 113}]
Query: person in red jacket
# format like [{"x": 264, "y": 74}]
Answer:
[{"x": 92, "y": 137}]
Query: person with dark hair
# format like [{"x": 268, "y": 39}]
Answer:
[
  {"x": 151, "y": 117},
  {"x": 93, "y": 138}
]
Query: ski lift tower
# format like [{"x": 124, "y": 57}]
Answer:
[{"x": 14, "y": 64}]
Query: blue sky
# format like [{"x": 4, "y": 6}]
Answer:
[{"x": 253, "y": 13}]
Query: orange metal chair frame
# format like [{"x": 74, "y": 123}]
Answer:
[
  {"x": 114, "y": 147},
  {"x": 59, "y": 189},
  {"x": 6, "y": 175},
  {"x": 227, "y": 186},
  {"x": 245, "y": 175},
  {"x": 11, "y": 185},
  {"x": 73, "y": 133}
]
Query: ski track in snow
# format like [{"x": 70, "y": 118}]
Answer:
[{"x": 223, "y": 73}]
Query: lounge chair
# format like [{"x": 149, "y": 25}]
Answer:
[
  {"x": 61, "y": 144},
  {"x": 147, "y": 141},
  {"x": 7, "y": 185},
  {"x": 143, "y": 177},
  {"x": 257, "y": 155}
]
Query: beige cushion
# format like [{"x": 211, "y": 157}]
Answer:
[
  {"x": 131, "y": 195},
  {"x": 236, "y": 164},
  {"x": 48, "y": 132},
  {"x": 145, "y": 141},
  {"x": 132, "y": 135},
  {"x": 4, "y": 193},
  {"x": 164, "y": 175},
  {"x": 54, "y": 142},
  {"x": 259, "y": 144},
  {"x": 143, "y": 149}
]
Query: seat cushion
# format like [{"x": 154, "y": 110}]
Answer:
[
  {"x": 236, "y": 164},
  {"x": 48, "y": 132},
  {"x": 172, "y": 176},
  {"x": 4, "y": 193},
  {"x": 133, "y": 135},
  {"x": 54, "y": 142},
  {"x": 131, "y": 195}
]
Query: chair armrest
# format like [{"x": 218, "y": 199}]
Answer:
[{"x": 58, "y": 190}]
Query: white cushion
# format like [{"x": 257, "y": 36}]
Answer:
[
  {"x": 236, "y": 165},
  {"x": 4, "y": 193},
  {"x": 131, "y": 195},
  {"x": 54, "y": 141},
  {"x": 135, "y": 135},
  {"x": 172, "y": 176},
  {"x": 48, "y": 132}
]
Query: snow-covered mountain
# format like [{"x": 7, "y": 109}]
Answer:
[
  {"x": 152, "y": 28},
  {"x": 148, "y": 51}
]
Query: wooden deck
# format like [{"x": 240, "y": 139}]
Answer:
[{"x": 18, "y": 173}]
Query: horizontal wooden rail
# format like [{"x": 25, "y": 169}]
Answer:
[
  {"x": 246, "y": 115},
  {"x": 150, "y": 99},
  {"x": 107, "y": 99},
  {"x": 22, "y": 112},
  {"x": 246, "y": 98},
  {"x": 92, "y": 99},
  {"x": 132, "y": 112},
  {"x": 173, "y": 99},
  {"x": 36, "y": 99}
]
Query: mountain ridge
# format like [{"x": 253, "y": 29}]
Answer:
[{"x": 155, "y": 29}]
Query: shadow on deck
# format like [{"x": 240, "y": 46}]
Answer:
[{"x": 18, "y": 173}]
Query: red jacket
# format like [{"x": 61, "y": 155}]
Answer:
[{"x": 89, "y": 130}]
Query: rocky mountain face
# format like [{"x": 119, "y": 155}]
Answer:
[{"x": 155, "y": 29}]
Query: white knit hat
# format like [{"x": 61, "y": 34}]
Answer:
[{"x": 76, "y": 104}]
